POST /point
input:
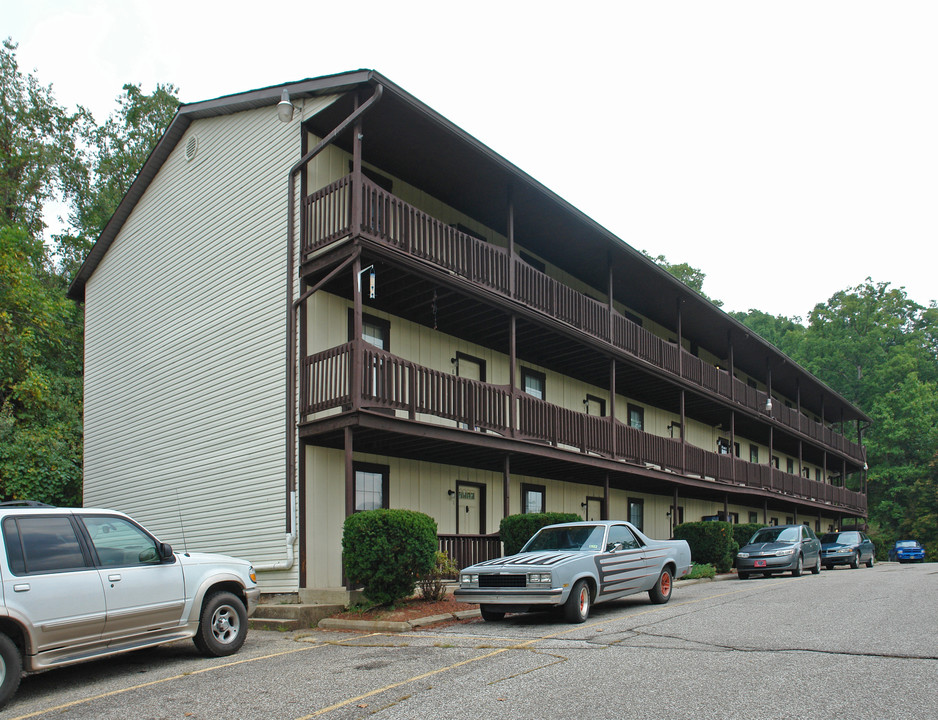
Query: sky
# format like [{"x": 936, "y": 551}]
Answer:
[{"x": 789, "y": 150}]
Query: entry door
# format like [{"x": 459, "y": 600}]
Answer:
[
  {"x": 594, "y": 508},
  {"x": 470, "y": 508}
]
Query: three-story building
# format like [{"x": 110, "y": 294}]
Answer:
[{"x": 359, "y": 305}]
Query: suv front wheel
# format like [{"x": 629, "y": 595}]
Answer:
[{"x": 223, "y": 625}]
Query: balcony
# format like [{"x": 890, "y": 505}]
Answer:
[
  {"x": 391, "y": 382},
  {"x": 326, "y": 218}
]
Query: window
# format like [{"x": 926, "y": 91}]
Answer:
[
  {"x": 533, "y": 383},
  {"x": 533, "y": 498},
  {"x": 753, "y": 453},
  {"x": 595, "y": 406},
  {"x": 789, "y": 520},
  {"x": 675, "y": 429},
  {"x": 637, "y": 512},
  {"x": 753, "y": 517},
  {"x": 734, "y": 518},
  {"x": 371, "y": 486},
  {"x": 680, "y": 514},
  {"x": 736, "y": 449},
  {"x": 806, "y": 472},
  {"x": 120, "y": 543},
  {"x": 623, "y": 537},
  {"x": 723, "y": 446},
  {"x": 789, "y": 466},
  {"x": 775, "y": 461},
  {"x": 773, "y": 522},
  {"x": 817, "y": 475},
  {"x": 374, "y": 330},
  {"x": 42, "y": 545},
  {"x": 636, "y": 417}
]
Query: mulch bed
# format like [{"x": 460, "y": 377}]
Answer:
[{"x": 409, "y": 609}]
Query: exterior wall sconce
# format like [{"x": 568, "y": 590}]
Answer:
[
  {"x": 285, "y": 108},
  {"x": 371, "y": 280},
  {"x": 582, "y": 504},
  {"x": 768, "y": 405},
  {"x": 451, "y": 492}
]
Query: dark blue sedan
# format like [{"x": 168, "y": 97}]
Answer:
[
  {"x": 907, "y": 551},
  {"x": 849, "y": 547}
]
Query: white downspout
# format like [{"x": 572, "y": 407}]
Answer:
[{"x": 286, "y": 564}]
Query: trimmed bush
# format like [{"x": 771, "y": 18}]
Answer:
[
  {"x": 386, "y": 551},
  {"x": 516, "y": 530},
  {"x": 744, "y": 531},
  {"x": 701, "y": 571},
  {"x": 433, "y": 583},
  {"x": 710, "y": 542}
]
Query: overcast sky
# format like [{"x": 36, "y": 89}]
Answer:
[{"x": 787, "y": 149}]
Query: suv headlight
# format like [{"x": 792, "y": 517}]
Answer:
[
  {"x": 469, "y": 579},
  {"x": 539, "y": 578}
]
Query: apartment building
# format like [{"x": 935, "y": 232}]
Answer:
[{"x": 323, "y": 297}]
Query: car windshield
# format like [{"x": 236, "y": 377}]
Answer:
[
  {"x": 907, "y": 544},
  {"x": 776, "y": 534},
  {"x": 844, "y": 538},
  {"x": 579, "y": 538}
]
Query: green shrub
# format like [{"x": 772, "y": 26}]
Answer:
[
  {"x": 516, "y": 530},
  {"x": 743, "y": 531},
  {"x": 386, "y": 551},
  {"x": 432, "y": 584},
  {"x": 710, "y": 542},
  {"x": 701, "y": 571}
]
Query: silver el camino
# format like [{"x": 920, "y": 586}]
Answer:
[{"x": 573, "y": 565}]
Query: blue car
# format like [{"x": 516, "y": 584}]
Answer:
[
  {"x": 849, "y": 547},
  {"x": 907, "y": 551}
]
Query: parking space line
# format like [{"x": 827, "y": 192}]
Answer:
[
  {"x": 517, "y": 646},
  {"x": 112, "y": 693}
]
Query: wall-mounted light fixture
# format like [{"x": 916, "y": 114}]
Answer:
[
  {"x": 582, "y": 504},
  {"x": 768, "y": 405},
  {"x": 371, "y": 281},
  {"x": 285, "y": 108},
  {"x": 451, "y": 492}
]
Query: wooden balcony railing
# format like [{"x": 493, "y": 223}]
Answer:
[
  {"x": 466, "y": 550},
  {"x": 389, "y": 381},
  {"x": 326, "y": 217}
]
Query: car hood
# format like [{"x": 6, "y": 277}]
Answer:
[
  {"x": 838, "y": 546},
  {"x": 528, "y": 561},
  {"x": 765, "y": 547}
]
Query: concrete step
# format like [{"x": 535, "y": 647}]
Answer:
[{"x": 291, "y": 616}]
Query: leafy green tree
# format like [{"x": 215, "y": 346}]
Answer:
[
  {"x": 686, "y": 273},
  {"x": 40, "y": 376},
  {"x": 105, "y": 163},
  {"x": 35, "y": 135}
]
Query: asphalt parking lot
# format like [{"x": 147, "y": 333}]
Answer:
[{"x": 859, "y": 643}]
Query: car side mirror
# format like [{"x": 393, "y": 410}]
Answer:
[{"x": 166, "y": 553}]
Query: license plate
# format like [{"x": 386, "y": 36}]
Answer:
[{"x": 759, "y": 563}]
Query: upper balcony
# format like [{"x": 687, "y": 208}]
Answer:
[
  {"x": 388, "y": 220},
  {"x": 420, "y": 393}
]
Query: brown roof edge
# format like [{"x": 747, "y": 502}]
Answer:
[{"x": 186, "y": 113}]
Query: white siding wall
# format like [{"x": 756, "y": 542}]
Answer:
[{"x": 184, "y": 347}]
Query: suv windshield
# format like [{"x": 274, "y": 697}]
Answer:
[
  {"x": 581, "y": 538},
  {"x": 776, "y": 534}
]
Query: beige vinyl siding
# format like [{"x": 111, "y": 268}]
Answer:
[{"x": 184, "y": 348}]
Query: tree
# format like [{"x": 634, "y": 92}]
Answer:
[
  {"x": 687, "y": 274},
  {"x": 40, "y": 376},
  {"x": 106, "y": 162},
  {"x": 35, "y": 134}
]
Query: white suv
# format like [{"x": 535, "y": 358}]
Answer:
[{"x": 79, "y": 584}]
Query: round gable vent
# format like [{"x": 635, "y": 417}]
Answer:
[{"x": 192, "y": 145}]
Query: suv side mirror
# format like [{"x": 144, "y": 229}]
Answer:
[{"x": 166, "y": 553}]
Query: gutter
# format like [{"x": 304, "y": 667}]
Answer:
[{"x": 292, "y": 307}]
